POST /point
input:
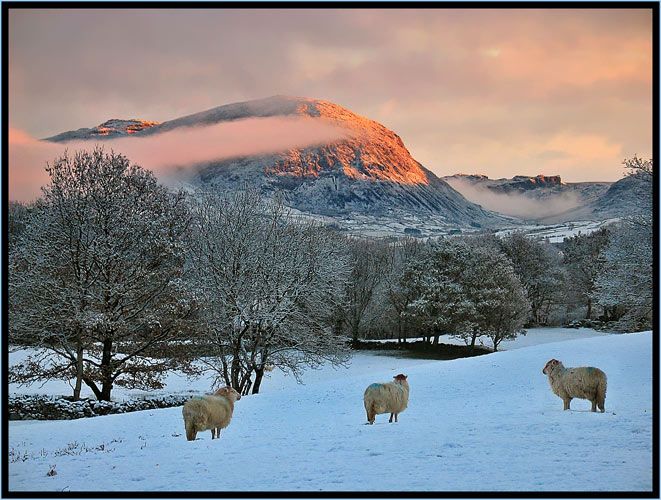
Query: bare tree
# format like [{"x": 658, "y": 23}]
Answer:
[
  {"x": 96, "y": 279},
  {"x": 369, "y": 260},
  {"x": 270, "y": 285},
  {"x": 17, "y": 218},
  {"x": 399, "y": 297},
  {"x": 581, "y": 258}
]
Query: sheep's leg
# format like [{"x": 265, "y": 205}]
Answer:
[
  {"x": 390, "y": 420},
  {"x": 594, "y": 405},
  {"x": 566, "y": 401},
  {"x": 371, "y": 414},
  {"x": 396, "y": 415},
  {"x": 602, "y": 405}
]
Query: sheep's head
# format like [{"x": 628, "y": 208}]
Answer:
[
  {"x": 229, "y": 393},
  {"x": 400, "y": 378},
  {"x": 550, "y": 365}
]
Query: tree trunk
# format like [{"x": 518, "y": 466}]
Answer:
[
  {"x": 92, "y": 385},
  {"x": 105, "y": 391},
  {"x": 436, "y": 339},
  {"x": 79, "y": 369},
  {"x": 354, "y": 331},
  {"x": 234, "y": 373},
  {"x": 259, "y": 375},
  {"x": 473, "y": 338},
  {"x": 106, "y": 373},
  {"x": 226, "y": 375},
  {"x": 588, "y": 315}
]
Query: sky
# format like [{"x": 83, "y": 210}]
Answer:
[{"x": 499, "y": 92}]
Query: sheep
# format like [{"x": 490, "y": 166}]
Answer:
[
  {"x": 584, "y": 382},
  {"x": 214, "y": 412},
  {"x": 391, "y": 397}
]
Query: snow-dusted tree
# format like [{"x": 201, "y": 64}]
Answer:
[
  {"x": 17, "y": 218},
  {"x": 504, "y": 306},
  {"x": 627, "y": 280},
  {"x": 538, "y": 266},
  {"x": 581, "y": 259},
  {"x": 368, "y": 259},
  {"x": 401, "y": 254},
  {"x": 467, "y": 290},
  {"x": 270, "y": 285},
  {"x": 95, "y": 281}
]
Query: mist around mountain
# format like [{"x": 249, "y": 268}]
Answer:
[
  {"x": 366, "y": 171},
  {"x": 540, "y": 198},
  {"x": 629, "y": 196},
  {"x": 351, "y": 168}
]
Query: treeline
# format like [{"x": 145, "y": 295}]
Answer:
[{"x": 115, "y": 280}]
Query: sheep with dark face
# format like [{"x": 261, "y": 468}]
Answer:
[
  {"x": 583, "y": 382},
  {"x": 391, "y": 397},
  {"x": 203, "y": 413}
]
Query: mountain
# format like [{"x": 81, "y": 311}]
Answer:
[
  {"x": 627, "y": 197},
  {"x": 542, "y": 198},
  {"x": 110, "y": 129},
  {"x": 538, "y": 187},
  {"x": 368, "y": 172}
]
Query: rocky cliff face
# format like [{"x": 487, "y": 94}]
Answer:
[{"x": 110, "y": 129}]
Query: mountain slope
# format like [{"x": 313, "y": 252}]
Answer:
[
  {"x": 627, "y": 197},
  {"x": 369, "y": 171}
]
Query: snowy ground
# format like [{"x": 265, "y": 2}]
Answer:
[
  {"x": 488, "y": 423},
  {"x": 556, "y": 233}
]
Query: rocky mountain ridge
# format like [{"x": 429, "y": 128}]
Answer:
[{"x": 110, "y": 129}]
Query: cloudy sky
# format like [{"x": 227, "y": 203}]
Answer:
[{"x": 498, "y": 92}]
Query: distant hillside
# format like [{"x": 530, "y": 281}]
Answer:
[
  {"x": 629, "y": 196},
  {"x": 540, "y": 198}
]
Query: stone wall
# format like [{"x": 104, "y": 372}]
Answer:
[{"x": 40, "y": 407}]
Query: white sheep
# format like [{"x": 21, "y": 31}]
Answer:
[
  {"x": 584, "y": 382},
  {"x": 391, "y": 397},
  {"x": 214, "y": 412}
]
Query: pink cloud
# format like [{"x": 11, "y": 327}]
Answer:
[{"x": 167, "y": 152}]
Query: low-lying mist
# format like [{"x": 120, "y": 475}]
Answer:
[
  {"x": 166, "y": 153},
  {"x": 516, "y": 204}
]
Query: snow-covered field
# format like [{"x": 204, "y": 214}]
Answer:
[
  {"x": 556, "y": 233},
  {"x": 488, "y": 423}
]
